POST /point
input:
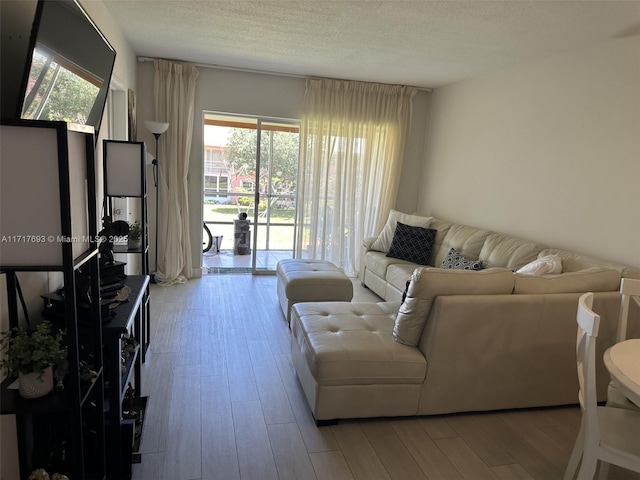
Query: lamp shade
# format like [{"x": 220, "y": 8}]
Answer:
[
  {"x": 123, "y": 166},
  {"x": 157, "y": 128}
]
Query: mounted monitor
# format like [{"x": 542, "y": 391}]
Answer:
[{"x": 64, "y": 71}]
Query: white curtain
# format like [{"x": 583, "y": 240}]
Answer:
[
  {"x": 352, "y": 142},
  {"x": 174, "y": 90}
]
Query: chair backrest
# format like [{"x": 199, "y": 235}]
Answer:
[
  {"x": 588, "y": 324},
  {"x": 630, "y": 289}
]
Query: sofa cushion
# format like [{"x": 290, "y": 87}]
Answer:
[
  {"x": 505, "y": 251},
  {"x": 574, "y": 262},
  {"x": 413, "y": 244},
  {"x": 593, "y": 279},
  {"x": 427, "y": 283},
  {"x": 378, "y": 263},
  {"x": 383, "y": 242},
  {"x": 457, "y": 261},
  {"x": 351, "y": 344},
  {"x": 544, "y": 265},
  {"x": 466, "y": 240},
  {"x": 398, "y": 274},
  {"x": 443, "y": 229}
]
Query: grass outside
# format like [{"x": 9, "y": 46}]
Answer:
[
  {"x": 229, "y": 213},
  {"x": 280, "y": 237}
]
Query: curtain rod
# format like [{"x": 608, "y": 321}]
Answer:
[{"x": 251, "y": 70}]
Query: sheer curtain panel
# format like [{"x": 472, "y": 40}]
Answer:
[
  {"x": 174, "y": 90},
  {"x": 352, "y": 142}
]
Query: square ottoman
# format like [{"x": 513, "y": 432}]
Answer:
[{"x": 310, "y": 281}]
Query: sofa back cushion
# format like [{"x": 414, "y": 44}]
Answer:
[
  {"x": 467, "y": 241},
  {"x": 574, "y": 262},
  {"x": 427, "y": 283},
  {"x": 505, "y": 251},
  {"x": 593, "y": 279}
]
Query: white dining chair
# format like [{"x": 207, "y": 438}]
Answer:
[
  {"x": 630, "y": 291},
  {"x": 607, "y": 435}
]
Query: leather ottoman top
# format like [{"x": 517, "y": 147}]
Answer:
[
  {"x": 313, "y": 280},
  {"x": 352, "y": 344}
]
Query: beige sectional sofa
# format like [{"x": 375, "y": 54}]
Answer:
[
  {"x": 461, "y": 340},
  {"x": 387, "y": 276}
]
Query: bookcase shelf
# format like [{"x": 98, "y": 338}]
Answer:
[
  {"x": 49, "y": 169},
  {"x": 125, "y": 177}
]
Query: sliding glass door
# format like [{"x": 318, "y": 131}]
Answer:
[{"x": 250, "y": 174}]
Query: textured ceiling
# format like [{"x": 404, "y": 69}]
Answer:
[{"x": 421, "y": 43}]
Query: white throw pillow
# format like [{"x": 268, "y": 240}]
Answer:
[
  {"x": 548, "y": 264},
  {"x": 383, "y": 242}
]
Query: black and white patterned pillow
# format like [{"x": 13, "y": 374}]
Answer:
[
  {"x": 413, "y": 244},
  {"x": 457, "y": 261}
]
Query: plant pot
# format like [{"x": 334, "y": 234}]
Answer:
[
  {"x": 133, "y": 244},
  {"x": 30, "y": 386}
]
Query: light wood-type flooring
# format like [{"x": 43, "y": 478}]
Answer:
[{"x": 225, "y": 403}]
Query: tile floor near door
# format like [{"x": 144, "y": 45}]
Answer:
[
  {"x": 225, "y": 260},
  {"x": 224, "y": 403}
]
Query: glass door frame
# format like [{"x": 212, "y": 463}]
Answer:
[
  {"x": 268, "y": 196},
  {"x": 261, "y": 125}
]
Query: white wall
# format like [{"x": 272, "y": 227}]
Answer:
[
  {"x": 277, "y": 96},
  {"x": 549, "y": 152}
]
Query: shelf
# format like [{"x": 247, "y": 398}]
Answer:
[
  {"x": 58, "y": 401},
  {"x": 128, "y": 370},
  {"x": 125, "y": 249},
  {"x": 140, "y": 407},
  {"x": 122, "y": 316},
  {"x": 128, "y": 318}
]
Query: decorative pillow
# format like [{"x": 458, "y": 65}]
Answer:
[
  {"x": 383, "y": 242},
  {"x": 457, "y": 261},
  {"x": 542, "y": 266},
  {"x": 413, "y": 244}
]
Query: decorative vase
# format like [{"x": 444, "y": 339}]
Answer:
[{"x": 30, "y": 386}]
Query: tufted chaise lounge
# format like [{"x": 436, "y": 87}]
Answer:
[{"x": 349, "y": 364}]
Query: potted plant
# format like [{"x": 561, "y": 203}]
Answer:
[
  {"x": 135, "y": 234},
  {"x": 31, "y": 356}
]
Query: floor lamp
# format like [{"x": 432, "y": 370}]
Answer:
[{"x": 157, "y": 128}]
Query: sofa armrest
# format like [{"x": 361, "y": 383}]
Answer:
[
  {"x": 367, "y": 242},
  {"x": 429, "y": 282}
]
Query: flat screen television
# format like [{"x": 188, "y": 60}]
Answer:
[{"x": 64, "y": 69}]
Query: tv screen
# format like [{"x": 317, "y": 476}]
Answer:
[{"x": 68, "y": 66}]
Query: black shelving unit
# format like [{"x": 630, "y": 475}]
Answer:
[
  {"x": 125, "y": 177},
  {"x": 47, "y": 205},
  {"x": 126, "y": 320}
]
